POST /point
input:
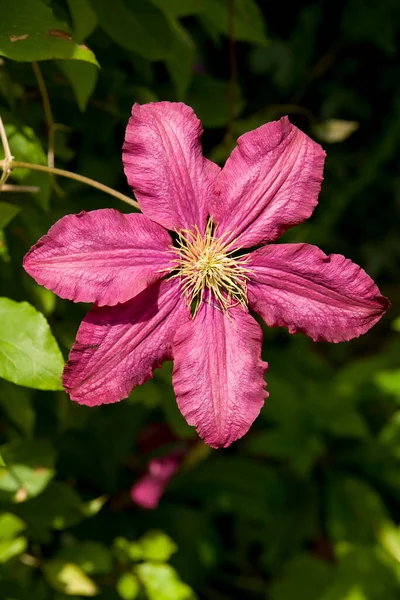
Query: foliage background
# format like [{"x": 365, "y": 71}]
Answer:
[{"x": 307, "y": 505}]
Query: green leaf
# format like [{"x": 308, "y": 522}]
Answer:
[
  {"x": 29, "y": 469},
  {"x": 181, "y": 60},
  {"x": 29, "y": 354},
  {"x": 2, "y": 463},
  {"x": 355, "y": 510},
  {"x": 157, "y": 546},
  {"x": 10, "y": 526},
  {"x": 143, "y": 29},
  {"x": 249, "y": 22},
  {"x": 58, "y": 507},
  {"x": 179, "y": 8},
  {"x": 11, "y": 548},
  {"x": 305, "y": 578},
  {"x": 17, "y": 404},
  {"x": 128, "y": 586},
  {"x": 84, "y": 19},
  {"x": 162, "y": 582},
  {"x": 27, "y": 147},
  {"x": 92, "y": 557},
  {"x": 333, "y": 131},
  {"x": 7, "y": 213},
  {"x": 389, "y": 381},
  {"x": 69, "y": 579},
  {"x": 82, "y": 77},
  {"x": 30, "y": 31}
]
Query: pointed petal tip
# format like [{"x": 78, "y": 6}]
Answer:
[
  {"x": 327, "y": 297},
  {"x": 218, "y": 374}
]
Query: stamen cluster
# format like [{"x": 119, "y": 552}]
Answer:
[{"x": 206, "y": 263}]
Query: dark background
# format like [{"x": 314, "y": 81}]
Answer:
[{"x": 307, "y": 505}]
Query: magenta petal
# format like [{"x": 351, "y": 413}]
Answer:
[
  {"x": 118, "y": 348},
  {"x": 148, "y": 490},
  {"x": 326, "y": 297},
  {"x": 101, "y": 256},
  {"x": 164, "y": 164},
  {"x": 270, "y": 182},
  {"x": 218, "y": 373}
]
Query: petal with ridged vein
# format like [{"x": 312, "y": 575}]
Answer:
[
  {"x": 218, "y": 373},
  {"x": 117, "y": 348},
  {"x": 329, "y": 298},
  {"x": 102, "y": 256}
]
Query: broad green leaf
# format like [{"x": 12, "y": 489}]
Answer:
[
  {"x": 84, "y": 19},
  {"x": 128, "y": 586},
  {"x": 92, "y": 557},
  {"x": 17, "y": 404},
  {"x": 27, "y": 147},
  {"x": 138, "y": 27},
  {"x": 69, "y": 579},
  {"x": 58, "y": 507},
  {"x": 355, "y": 510},
  {"x": 305, "y": 578},
  {"x": 157, "y": 546},
  {"x": 333, "y": 131},
  {"x": 11, "y": 548},
  {"x": 29, "y": 354},
  {"x": 396, "y": 324},
  {"x": 162, "y": 582},
  {"x": 2, "y": 463},
  {"x": 249, "y": 22},
  {"x": 82, "y": 77},
  {"x": 181, "y": 60},
  {"x": 179, "y": 8},
  {"x": 30, "y": 31},
  {"x": 389, "y": 381},
  {"x": 10, "y": 526},
  {"x": 7, "y": 213},
  {"x": 29, "y": 469}
]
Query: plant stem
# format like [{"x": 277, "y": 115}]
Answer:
[
  {"x": 17, "y": 164},
  {"x": 6, "y": 163},
  {"x": 48, "y": 114}
]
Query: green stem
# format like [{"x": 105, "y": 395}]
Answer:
[{"x": 17, "y": 164}]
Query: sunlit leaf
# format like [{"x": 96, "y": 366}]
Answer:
[
  {"x": 7, "y": 213},
  {"x": 162, "y": 582},
  {"x": 128, "y": 586},
  {"x": 157, "y": 546},
  {"x": 335, "y": 130},
  {"x": 69, "y": 579},
  {"x": 82, "y": 77},
  {"x": 29, "y": 354},
  {"x": 30, "y": 31}
]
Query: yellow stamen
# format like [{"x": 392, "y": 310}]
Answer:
[{"x": 205, "y": 263}]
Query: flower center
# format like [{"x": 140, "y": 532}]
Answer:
[{"x": 204, "y": 264}]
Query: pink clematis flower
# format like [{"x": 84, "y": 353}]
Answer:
[{"x": 188, "y": 299}]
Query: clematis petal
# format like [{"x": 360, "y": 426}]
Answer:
[
  {"x": 326, "y": 297},
  {"x": 101, "y": 256},
  {"x": 164, "y": 164},
  {"x": 270, "y": 182},
  {"x": 148, "y": 490},
  {"x": 118, "y": 348},
  {"x": 218, "y": 373}
]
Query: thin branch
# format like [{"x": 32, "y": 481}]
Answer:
[
  {"x": 17, "y": 164},
  {"x": 51, "y": 126},
  {"x": 233, "y": 73},
  {"x": 8, "y": 157},
  {"x": 28, "y": 189}
]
